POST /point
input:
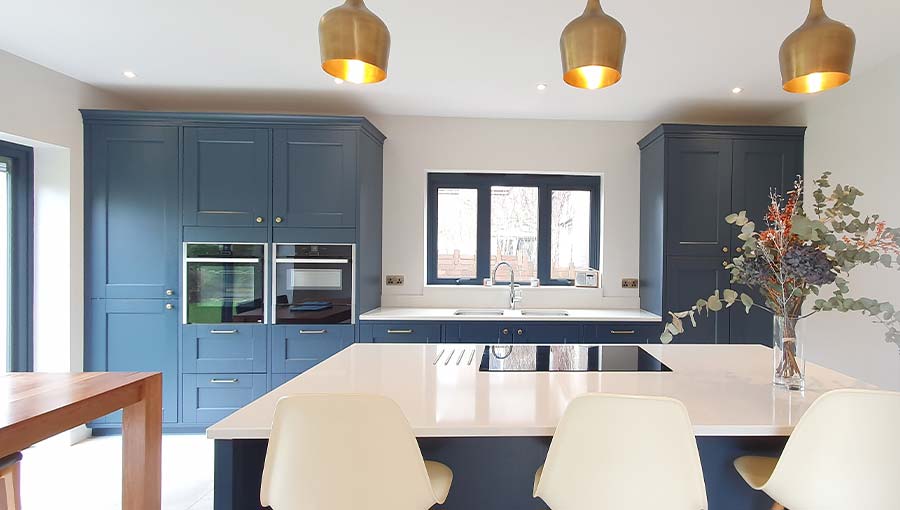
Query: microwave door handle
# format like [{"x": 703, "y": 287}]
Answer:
[
  {"x": 312, "y": 261},
  {"x": 223, "y": 260}
]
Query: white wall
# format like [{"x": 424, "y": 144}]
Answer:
[
  {"x": 416, "y": 145},
  {"x": 854, "y": 132},
  {"x": 39, "y": 107}
]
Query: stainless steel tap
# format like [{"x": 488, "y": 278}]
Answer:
[{"x": 514, "y": 295}]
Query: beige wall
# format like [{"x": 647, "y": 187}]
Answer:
[
  {"x": 854, "y": 132},
  {"x": 416, "y": 145},
  {"x": 39, "y": 107}
]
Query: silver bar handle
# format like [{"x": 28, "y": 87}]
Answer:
[
  {"x": 400, "y": 331},
  {"x": 622, "y": 332},
  {"x": 223, "y": 381},
  {"x": 313, "y": 331},
  {"x": 223, "y": 260},
  {"x": 223, "y": 332},
  {"x": 312, "y": 261}
]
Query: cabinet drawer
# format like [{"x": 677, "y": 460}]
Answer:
[
  {"x": 276, "y": 380},
  {"x": 236, "y": 348},
  {"x": 406, "y": 332},
  {"x": 472, "y": 332},
  {"x": 208, "y": 398},
  {"x": 621, "y": 333},
  {"x": 296, "y": 349},
  {"x": 554, "y": 333}
]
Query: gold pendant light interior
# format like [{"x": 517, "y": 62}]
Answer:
[
  {"x": 593, "y": 49},
  {"x": 817, "y": 56},
  {"x": 354, "y": 43}
]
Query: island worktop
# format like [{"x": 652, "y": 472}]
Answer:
[{"x": 726, "y": 389}]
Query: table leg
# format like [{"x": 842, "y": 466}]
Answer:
[{"x": 142, "y": 449}]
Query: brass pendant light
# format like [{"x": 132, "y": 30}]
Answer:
[
  {"x": 818, "y": 55},
  {"x": 354, "y": 43},
  {"x": 593, "y": 49}
]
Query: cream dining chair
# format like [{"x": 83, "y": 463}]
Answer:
[
  {"x": 844, "y": 454},
  {"x": 347, "y": 452},
  {"x": 621, "y": 452}
]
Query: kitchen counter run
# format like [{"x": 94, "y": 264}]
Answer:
[{"x": 447, "y": 314}]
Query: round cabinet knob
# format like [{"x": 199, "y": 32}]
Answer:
[
  {"x": 724, "y": 263},
  {"x": 724, "y": 249},
  {"x": 278, "y": 219},
  {"x": 505, "y": 331},
  {"x": 170, "y": 292},
  {"x": 739, "y": 249},
  {"x": 259, "y": 219},
  {"x": 519, "y": 332},
  {"x": 170, "y": 306}
]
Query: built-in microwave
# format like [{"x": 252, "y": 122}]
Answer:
[
  {"x": 313, "y": 284},
  {"x": 225, "y": 283}
]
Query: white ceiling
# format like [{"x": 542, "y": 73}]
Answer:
[{"x": 468, "y": 58}]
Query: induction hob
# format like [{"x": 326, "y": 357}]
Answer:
[{"x": 569, "y": 358}]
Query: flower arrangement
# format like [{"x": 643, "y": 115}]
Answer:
[{"x": 798, "y": 254}]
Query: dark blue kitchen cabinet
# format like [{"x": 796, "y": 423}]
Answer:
[
  {"x": 400, "y": 332},
  {"x": 315, "y": 178},
  {"x": 693, "y": 176},
  {"x": 542, "y": 333},
  {"x": 297, "y": 348},
  {"x": 226, "y": 176},
  {"x": 621, "y": 332},
  {"x": 276, "y": 380},
  {"x": 211, "y": 348},
  {"x": 473, "y": 332},
  {"x": 131, "y": 211},
  {"x": 699, "y": 196},
  {"x": 207, "y": 398},
  {"x": 135, "y": 335}
]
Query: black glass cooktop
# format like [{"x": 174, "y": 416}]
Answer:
[{"x": 569, "y": 358}]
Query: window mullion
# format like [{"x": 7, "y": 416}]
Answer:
[
  {"x": 545, "y": 207},
  {"x": 483, "y": 245}
]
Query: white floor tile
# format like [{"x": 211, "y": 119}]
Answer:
[{"x": 87, "y": 476}]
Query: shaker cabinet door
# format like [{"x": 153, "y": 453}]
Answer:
[
  {"x": 226, "y": 177},
  {"x": 314, "y": 182},
  {"x": 698, "y": 196},
  {"x": 760, "y": 166},
  {"x": 689, "y": 279},
  {"x": 132, "y": 212},
  {"x": 135, "y": 335}
]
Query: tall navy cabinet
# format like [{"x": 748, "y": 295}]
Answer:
[
  {"x": 154, "y": 181},
  {"x": 693, "y": 176}
]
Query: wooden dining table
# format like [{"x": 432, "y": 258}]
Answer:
[{"x": 36, "y": 406}]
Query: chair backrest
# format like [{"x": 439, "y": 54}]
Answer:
[
  {"x": 343, "y": 452},
  {"x": 844, "y": 453},
  {"x": 623, "y": 452}
]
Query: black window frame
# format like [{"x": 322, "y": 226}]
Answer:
[
  {"x": 482, "y": 182},
  {"x": 21, "y": 261}
]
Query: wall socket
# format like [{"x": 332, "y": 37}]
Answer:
[
  {"x": 630, "y": 283},
  {"x": 393, "y": 279}
]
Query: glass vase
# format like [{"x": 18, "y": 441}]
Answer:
[{"x": 787, "y": 345}]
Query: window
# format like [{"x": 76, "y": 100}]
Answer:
[
  {"x": 543, "y": 226},
  {"x": 16, "y": 261}
]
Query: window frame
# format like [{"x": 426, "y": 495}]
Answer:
[
  {"x": 21, "y": 260},
  {"x": 482, "y": 182}
]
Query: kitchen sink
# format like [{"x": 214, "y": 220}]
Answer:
[
  {"x": 492, "y": 312},
  {"x": 546, "y": 313}
]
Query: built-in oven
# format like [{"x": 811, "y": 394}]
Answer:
[
  {"x": 313, "y": 284},
  {"x": 225, "y": 283}
]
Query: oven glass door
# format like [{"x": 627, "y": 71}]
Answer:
[
  {"x": 225, "y": 283},
  {"x": 313, "y": 284}
]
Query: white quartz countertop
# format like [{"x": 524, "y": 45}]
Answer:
[
  {"x": 726, "y": 389},
  {"x": 449, "y": 314}
]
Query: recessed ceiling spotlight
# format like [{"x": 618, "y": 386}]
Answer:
[
  {"x": 338, "y": 81},
  {"x": 737, "y": 90},
  {"x": 542, "y": 87},
  {"x": 129, "y": 74}
]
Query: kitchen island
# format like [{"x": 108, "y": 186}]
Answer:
[{"x": 493, "y": 428}]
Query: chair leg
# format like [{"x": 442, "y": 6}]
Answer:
[{"x": 11, "y": 485}]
